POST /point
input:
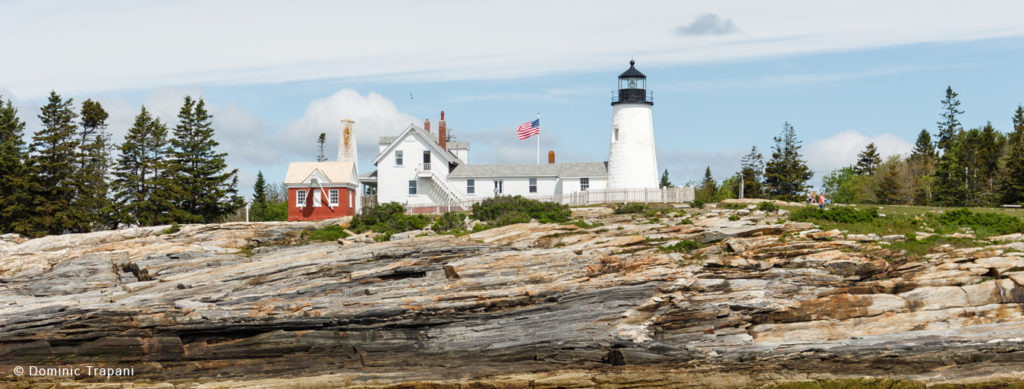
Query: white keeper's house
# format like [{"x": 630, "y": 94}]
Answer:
[{"x": 424, "y": 169}]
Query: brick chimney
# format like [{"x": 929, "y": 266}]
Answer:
[
  {"x": 551, "y": 156},
  {"x": 426, "y": 124},
  {"x": 442, "y": 133}
]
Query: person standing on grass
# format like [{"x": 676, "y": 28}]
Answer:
[{"x": 821, "y": 201}]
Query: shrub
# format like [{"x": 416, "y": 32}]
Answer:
[
  {"x": 835, "y": 214},
  {"x": 387, "y": 218},
  {"x": 698, "y": 203},
  {"x": 982, "y": 221},
  {"x": 630, "y": 208},
  {"x": 734, "y": 217},
  {"x": 685, "y": 221},
  {"x": 733, "y": 206},
  {"x": 274, "y": 211},
  {"x": 681, "y": 246},
  {"x": 450, "y": 222},
  {"x": 172, "y": 229},
  {"x": 505, "y": 210},
  {"x": 768, "y": 206},
  {"x": 327, "y": 234}
]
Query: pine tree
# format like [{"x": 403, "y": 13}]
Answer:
[
  {"x": 93, "y": 165},
  {"x": 259, "y": 197},
  {"x": 708, "y": 187},
  {"x": 889, "y": 187},
  {"x": 922, "y": 166},
  {"x": 201, "y": 187},
  {"x": 868, "y": 160},
  {"x": 665, "y": 183},
  {"x": 786, "y": 173},
  {"x": 14, "y": 183},
  {"x": 137, "y": 173},
  {"x": 51, "y": 165},
  {"x": 1012, "y": 187},
  {"x": 949, "y": 126},
  {"x": 320, "y": 142},
  {"x": 752, "y": 171}
]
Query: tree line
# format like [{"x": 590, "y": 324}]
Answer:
[
  {"x": 976, "y": 167},
  {"x": 67, "y": 178}
]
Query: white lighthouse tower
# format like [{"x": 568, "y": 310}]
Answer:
[{"x": 631, "y": 159}]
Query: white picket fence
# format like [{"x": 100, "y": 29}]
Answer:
[{"x": 589, "y": 197}]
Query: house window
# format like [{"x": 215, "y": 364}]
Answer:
[
  {"x": 300, "y": 198},
  {"x": 333, "y": 194},
  {"x": 398, "y": 157},
  {"x": 412, "y": 187},
  {"x": 351, "y": 199},
  {"x": 499, "y": 187},
  {"x": 533, "y": 185},
  {"x": 470, "y": 186},
  {"x": 584, "y": 184},
  {"x": 426, "y": 160},
  {"x": 316, "y": 198}
]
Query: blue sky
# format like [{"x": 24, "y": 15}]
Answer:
[{"x": 725, "y": 76}]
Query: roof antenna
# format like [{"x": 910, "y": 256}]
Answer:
[{"x": 412, "y": 108}]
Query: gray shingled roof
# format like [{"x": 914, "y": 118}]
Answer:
[
  {"x": 386, "y": 140},
  {"x": 569, "y": 169}
]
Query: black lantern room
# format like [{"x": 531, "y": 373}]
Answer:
[{"x": 633, "y": 87}]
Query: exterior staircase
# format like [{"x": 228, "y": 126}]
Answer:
[{"x": 441, "y": 185}]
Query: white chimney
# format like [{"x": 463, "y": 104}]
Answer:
[{"x": 347, "y": 142}]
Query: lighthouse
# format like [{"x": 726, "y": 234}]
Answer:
[{"x": 631, "y": 159}]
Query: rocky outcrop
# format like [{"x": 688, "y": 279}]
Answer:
[{"x": 625, "y": 303}]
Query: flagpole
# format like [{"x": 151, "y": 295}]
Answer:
[{"x": 538, "y": 138}]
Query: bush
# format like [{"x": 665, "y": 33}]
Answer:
[
  {"x": 698, "y": 203},
  {"x": 450, "y": 222},
  {"x": 505, "y": 210},
  {"x": 681, "y": 246},
  {"x": 625, "y": 208},
  {"x": 734, "y": 217},
  {"x": 327, "y": 234},
  {"x": 172, "y": 229},
  {"x": 274, "y": 211},
  {"x": 387, "y": 218},
  {"x": 768, "y": 206},
  {"x": 733, "y": 206},
  {"x": 982, "y": 221},
  {"x": 835, "y": 214}
]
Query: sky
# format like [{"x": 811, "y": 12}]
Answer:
[{"x": 725, "y": 75}]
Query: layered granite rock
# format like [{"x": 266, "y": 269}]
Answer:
[{"x": 543, "y": 305}]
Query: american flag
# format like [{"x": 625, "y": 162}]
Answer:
[{"x": 528, "y": 129}]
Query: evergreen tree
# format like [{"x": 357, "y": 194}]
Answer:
[
  {"x": 751, "y": 171},
  {"x": 1013, "y": 181},
  {"x": 140, "y": 164},
  {"x": 890, "y": 189},
  {"x": 14, "y": 183},
  {"x": 786, "y": 173},
  {"x": 868, "y": 160},
  {"x": 201, "y": 187},
  {"x": 949, "y": 126},
  {"x": 320, "y": 142},
  {"x": 708, "y": 187},
  {"x": 922, "y": 166},
  {"x": 52, "y": 156},
  {"x": 93, "y": 165},
  {"x": 259, "y": 197},
  {"x": 665, "y": 183}
]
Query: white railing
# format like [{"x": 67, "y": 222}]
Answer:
[{"x": 589, "y": 197}]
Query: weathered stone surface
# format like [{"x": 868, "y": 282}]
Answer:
[{"x": 539, "y": 305}]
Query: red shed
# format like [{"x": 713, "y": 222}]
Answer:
[{"x": 321, "y": 190}]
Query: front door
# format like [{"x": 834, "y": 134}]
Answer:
[{"x": 426, "y": 160}]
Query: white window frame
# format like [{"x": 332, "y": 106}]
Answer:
[
  {"x": 413, "y": 187},
  {"x": 334, "y": 198},
  {"x": 499, "y": 187},
  {"x": 351, "y": 199},
  {"x": 533, "y": 185},
  {"x": 317, "y": 198},
  {"x": 300, "y": 198},
  {"x": 584, "y": 184},
  {"x": 470, "y": 186},
  {"x": 399, "y": 158}
]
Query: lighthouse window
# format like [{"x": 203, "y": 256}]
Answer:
[
  {"x": 584, "y": 184},
  {"x": 616, "y": 133},
  {"x": 470, "y": 186},
  {"x": 632, "y": 84},
  {"x": 533, "y": 185}
]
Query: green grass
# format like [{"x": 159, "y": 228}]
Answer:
[
  {"x": 246, "y": 251},
  {"x": 907, "y": 220},
  {"x": 172, "y": 229},
  {"x": 326, "y": 234},
  {"x": 917, "y": 249},
  {"x": 734, "y": 217},
  {"x": 680, "y": 247}
]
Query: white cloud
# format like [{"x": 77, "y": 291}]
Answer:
[
  {"x": 196, "y": 42},
  {"x": 836, "y": 151}
]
